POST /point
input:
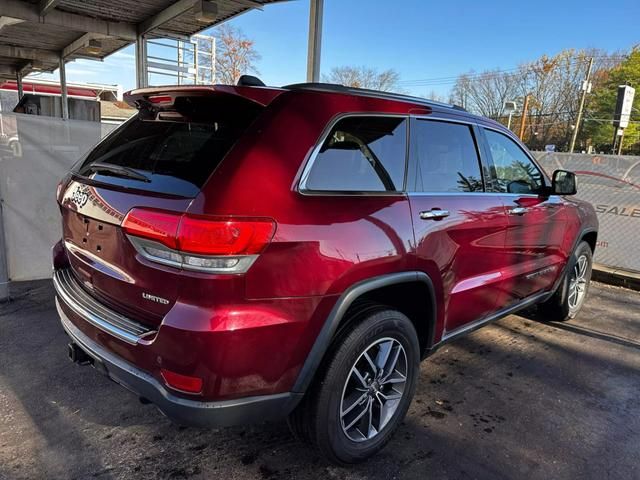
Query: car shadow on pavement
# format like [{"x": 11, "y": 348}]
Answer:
[
  {"x": 607, "y": 337},
  {"x": 516, "y": 399},
  {"x": 536, "y": 315}
]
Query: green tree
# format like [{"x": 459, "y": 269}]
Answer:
[{"x": 598, "y": 129}]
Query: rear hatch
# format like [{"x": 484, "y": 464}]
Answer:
[{"x": 159, "y": 159}]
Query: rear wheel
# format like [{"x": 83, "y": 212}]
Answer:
[
  {"x": 364, "y": 389},
  {"x": 567, "y": 302}
]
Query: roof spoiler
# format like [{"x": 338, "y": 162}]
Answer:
[{"x": 160, "y": 97}]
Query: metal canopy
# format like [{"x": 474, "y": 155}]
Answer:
[{"x": 40, "y": 35}]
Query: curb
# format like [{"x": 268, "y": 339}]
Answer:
[{"x": 617, "y": 277}]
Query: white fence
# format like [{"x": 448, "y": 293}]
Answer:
[{"x": 29, "y": 174}]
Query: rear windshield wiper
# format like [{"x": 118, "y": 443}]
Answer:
[{"x": 118, "y": 170}]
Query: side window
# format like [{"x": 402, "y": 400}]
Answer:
[
  {"x": 361, "y": 154},
  {"x": 514, "y": 170},
  {"x": 445, "y": 157}
]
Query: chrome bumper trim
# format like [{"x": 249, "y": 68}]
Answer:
[{"x": 73, "y": 295}]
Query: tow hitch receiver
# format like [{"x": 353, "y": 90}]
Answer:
[{"x": 77, "y": 355}]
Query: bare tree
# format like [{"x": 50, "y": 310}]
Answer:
[
  {"x": 364, "y": 77},
  {"x": 485, "y": 93},
  {"x": 235, "y": 55},
  {"x": 553, "y": 83},
  {"x": 435, "y": 96}
]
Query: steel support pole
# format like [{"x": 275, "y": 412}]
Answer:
[
  {"x": 19, "y": 84},
  {"x": 141, "y": 62},
  {"x": 63, "y": 89},
  {"x": 315, "y": 40}
]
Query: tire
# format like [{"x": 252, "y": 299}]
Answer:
[
  {"x": 567, "y": 302},
  {"x": 346, "y": 383}
]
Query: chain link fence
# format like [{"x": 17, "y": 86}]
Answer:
[
  {"x": 36, "y": 152},
  {"x": 611, "y": 183}
]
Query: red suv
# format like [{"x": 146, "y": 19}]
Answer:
[{"x": 242, "y": 253}]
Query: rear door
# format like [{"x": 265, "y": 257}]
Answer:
[
  {"x": 460, "y": 230},
  {"x": 536, "y": 220},
  {"x": 160, "y": 159}
]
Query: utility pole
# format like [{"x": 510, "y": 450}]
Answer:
[
  {"x": 523, "y": 121},
  {"x": 586, "y": 88}
]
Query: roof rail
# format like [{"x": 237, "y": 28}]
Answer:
[{"x": 334, "y": 87}]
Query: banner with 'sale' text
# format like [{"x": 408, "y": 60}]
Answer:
[{"x": 611, "y": 183}]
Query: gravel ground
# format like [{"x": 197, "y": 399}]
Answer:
[{"x": 516, "y": 399}]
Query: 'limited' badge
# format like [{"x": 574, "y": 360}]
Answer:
[{"x": 155, "y": 298}]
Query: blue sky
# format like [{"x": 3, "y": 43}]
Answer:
[{"x": 418, "y": 38}]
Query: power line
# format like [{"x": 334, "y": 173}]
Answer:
[
  {"x": 508, "y": 70},
  {"x": 435, "y": 81}
]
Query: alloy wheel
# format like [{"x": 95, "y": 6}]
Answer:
[
  {"x": 578, "y": 282},
  {"x": 373, "y": 389}
]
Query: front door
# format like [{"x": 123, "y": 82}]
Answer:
[
  {"x": 536, "y": 220},
  {"x": 459, "y": 230}
]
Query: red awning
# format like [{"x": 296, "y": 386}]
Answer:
[{"x": 45, "y": 89}]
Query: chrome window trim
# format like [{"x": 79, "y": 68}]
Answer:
[
  {"x": 308, "y": 164},
  {"x": 304, "y": 176},
  {"x": 443, "y": 119},
  {"x": 501, "y": 194}
]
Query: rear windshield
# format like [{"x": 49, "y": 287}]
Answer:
[{"x": 176, "y": 154}]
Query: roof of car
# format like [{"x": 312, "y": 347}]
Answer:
[
  {"x": 243, "y": 90},
  {"x": 263, "y": 95},
  {"x": 365, "y": 92}
]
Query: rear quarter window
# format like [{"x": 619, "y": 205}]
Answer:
[{"x": 360, "y": 154}]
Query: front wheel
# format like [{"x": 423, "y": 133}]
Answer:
[
  {"x": 567, "y": 302},
  {"x": 364, "y": 389}
]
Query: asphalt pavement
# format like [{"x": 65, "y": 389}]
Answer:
[{"x": 517, "y": 399}]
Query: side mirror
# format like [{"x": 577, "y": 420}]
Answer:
[{"x": 564, "y": 183}]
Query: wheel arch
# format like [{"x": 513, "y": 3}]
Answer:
[
  {"x": 377, "y": 289},
  {"x": 591, "y": 237}
]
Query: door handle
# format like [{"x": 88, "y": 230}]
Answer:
[
  {"x": 435, "y": 214},
  {"x": 518, "y": 211}
]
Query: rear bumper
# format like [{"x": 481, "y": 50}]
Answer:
[{"x": 184, "y": 411}]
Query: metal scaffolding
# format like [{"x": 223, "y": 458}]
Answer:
[{"x": 42, "y": 36}]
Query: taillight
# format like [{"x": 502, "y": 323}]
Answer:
[
  {"x": 155, "y": 225},
  {"x": 160, "y": 99},
  {"x": 224, "y": 237},
  {"x": 180, "y": 382},
  {"x": 210, "y": 244}
]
